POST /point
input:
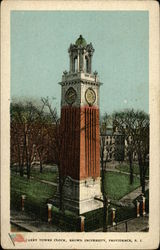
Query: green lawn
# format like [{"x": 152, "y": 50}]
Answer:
[
  {"x": 32, "y": 188},
  {"x": 47, "y": 174},
  {"x": 117, "y": 185},
  {"x": 125, "y": 168},
  {"x": 37, "y": 194}
]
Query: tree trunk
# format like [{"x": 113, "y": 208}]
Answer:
[
  {"x": 19, "y": 160},
  {"x": 60, "y": 197},
  {"x": 105, "y": 219},
  {"x": 131, "y": 168},
  {"x": 21, "y": 164},
  {"x": 21, "y": 170},
  {"x": 23, "y": 153},
  {"x": 41, "y": 166},
  {"x": 143, "y": 186},
  {"x": 61, "y": 182},
  {"x": 142, "y": 179},
  {"x": 28, "y": 171},
  {"x": 16, "y": 168},
  {"x": 104, "y": 214},
  {"x": 140, "y": 171},
  {"x": 28, "y": 165}
]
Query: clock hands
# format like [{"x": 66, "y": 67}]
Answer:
[
  {"x": 90, "y": 96},
  {"x": 70, "y": 95}
]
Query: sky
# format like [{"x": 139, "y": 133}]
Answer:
[{"x": 39, "y": 54}]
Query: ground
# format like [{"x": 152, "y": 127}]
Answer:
[
  {"x": 27, "y": 223},
  {"x": 117, "y": 185},
  {"x": 125, "y": 168},
  {"x": 37, "y": 191},
  {"x": 42, "y": 186}
]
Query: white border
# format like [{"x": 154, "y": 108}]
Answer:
[{"x": 150, "y": 239}]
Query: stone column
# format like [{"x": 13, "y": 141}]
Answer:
[
  {"x": 83, "y": 63},
  {"x": 138, "y": 205},
  {"x": 49, "y": 212},
  {"x": 23, "y": 197},
  {"x": 113, "y": 216},
  {"x": 95, "y": 75},
  {"x": 143, "y": 205},
  {"x": 70, "y": 57},
  {"x": 90, "y": 64},
  {"x": 73, "y": 65},
  {"x": 78, "y": 61},
  {"x": 82, "y": 218}
]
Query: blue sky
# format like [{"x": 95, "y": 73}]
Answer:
[{"x": 39, "y": 54}]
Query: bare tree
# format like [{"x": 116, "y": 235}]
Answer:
[
  {"x": 23, "y": 120},
  {"x": 16, "y": 149},
  {"x": 41, "y": 138},
  {"x": 125, "y": 123},
  {"x": 56, "y": 137},
  {"x": 134, "y": 125},
  {"x": 104, "y": 158},
  {"x": 18, "y": 135},
  {"x": 142, "y": 145}
]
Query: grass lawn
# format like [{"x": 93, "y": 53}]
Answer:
[
  {"x": 47, "y": 174},
  {"x": 34, "y": 189},
  {"x": 36, "y": 193},
  {"x": 117, "y": 185},
  {"x": 125, "y": 168}
]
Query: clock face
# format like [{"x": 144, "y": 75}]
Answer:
[
  {"x": 70, "y": 95},
  {"x": 90, "y": 96}
]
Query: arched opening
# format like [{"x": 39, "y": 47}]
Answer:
[
  {"x": 75, "y": 64},
  {"x": 86, "y": 65}
]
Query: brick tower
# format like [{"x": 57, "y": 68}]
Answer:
[{"x": 80, "y": 161}]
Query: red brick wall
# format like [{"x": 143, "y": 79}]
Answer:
[{"x": 81, "y": 145}]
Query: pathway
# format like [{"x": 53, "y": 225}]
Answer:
[
  {"x": 41, "y": 180},
  {"x": 121, "y": 172},
  {"x": 133, "y": 225},
  {"x": 127, "y": 200},
  {"x": 22, "y": 221},
  {"x": 49, "y": 182}
]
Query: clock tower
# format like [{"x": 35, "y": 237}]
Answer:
[{"x": 80, "y": 156}]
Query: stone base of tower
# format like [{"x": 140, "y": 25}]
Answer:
[{"x": 79, "y": 196}]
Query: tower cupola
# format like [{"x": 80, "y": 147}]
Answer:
[{"x": 81, "y": 56}]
